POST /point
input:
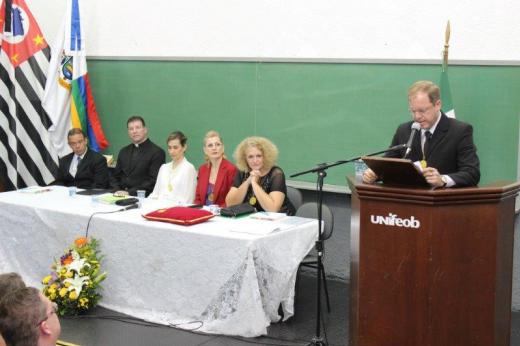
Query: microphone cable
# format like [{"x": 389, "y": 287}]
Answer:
[{"x": 132, "y": 206}]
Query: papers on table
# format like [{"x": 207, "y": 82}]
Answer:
[
  {"x": 266, "y": 215},
  {"x": 264, "y": 223},
  {"x": 35, "y": 189}
]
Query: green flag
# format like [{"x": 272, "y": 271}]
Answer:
[{"x": 447, "y": 101}]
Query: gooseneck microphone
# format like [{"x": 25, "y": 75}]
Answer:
[
  {"x": 131, "y": 206},
  {"x": 126, "y": 205},
  {"x": 416, "y": 127}
]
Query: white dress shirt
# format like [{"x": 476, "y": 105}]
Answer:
[{"x": 176, "y": 184}]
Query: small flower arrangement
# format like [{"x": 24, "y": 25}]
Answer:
[{"x": 74, "y": 282}]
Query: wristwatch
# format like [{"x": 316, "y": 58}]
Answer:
[{"x": 444, "y": 180}]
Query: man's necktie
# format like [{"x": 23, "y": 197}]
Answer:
[
  {"x": 427, "y": 139},
  {"x": 74, "y": 166}
]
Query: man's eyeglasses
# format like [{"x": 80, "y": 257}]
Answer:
[
  {"x": 54, "y": 310},
  {"x": 420, "y": 111}
]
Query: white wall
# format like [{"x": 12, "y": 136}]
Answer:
[{"x": 294, "y": 29}]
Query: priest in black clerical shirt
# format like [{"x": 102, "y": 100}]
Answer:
[
  {"x": 138, "y": 163},
  {"x": 83, "y": 167}
]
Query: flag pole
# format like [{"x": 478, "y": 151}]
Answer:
[
  {"x": 447, "y": 100},
  {"x": 446, "y": 46},
  {"x": 7, "y": 16}
]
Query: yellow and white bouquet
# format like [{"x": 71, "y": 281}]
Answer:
[{"x": 74, "y": 282}]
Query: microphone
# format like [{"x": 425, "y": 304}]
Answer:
[
  {"x": 416, "y": 127},
  {"x": 131, "y": 206}
]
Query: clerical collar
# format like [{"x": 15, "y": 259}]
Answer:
[{"x": 137, "y": 145}]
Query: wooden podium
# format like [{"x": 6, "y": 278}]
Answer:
[{"x": 431, "y": 267}]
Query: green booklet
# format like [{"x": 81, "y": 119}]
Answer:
[{"x": 109, "y": 198}]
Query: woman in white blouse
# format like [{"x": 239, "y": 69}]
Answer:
[{"x": 176, "y": 180}]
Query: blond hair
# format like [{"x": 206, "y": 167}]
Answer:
[
  {"x": 268, "y": 149},
  {"x": 211, "y": 134},
  {"x": 427, "y": 87}
]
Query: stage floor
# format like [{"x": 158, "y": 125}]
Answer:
[{"x": 105, "y": 327}]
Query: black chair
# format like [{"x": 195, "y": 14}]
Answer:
[
  {"x": 310, "y": 210},
  {"x": 295, "y": 196}
]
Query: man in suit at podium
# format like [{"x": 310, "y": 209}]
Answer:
[
  {"x": 443, "y": 146},
  {"x": 138, "y": 163},
  {"x": 83, "y": 167}
]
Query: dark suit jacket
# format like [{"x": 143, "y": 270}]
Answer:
[
  {"x": 451, "y": 150},
  {"x": 226, "y": 174},
  {"x": 92, "y": 171},
  {"x": 137, "y": 168}
]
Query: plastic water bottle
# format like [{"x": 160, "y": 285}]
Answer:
[
  {"x": 140, "y": 196},
  {"x": 214, "y": 209},
  {"x": 359, "y": 168}
]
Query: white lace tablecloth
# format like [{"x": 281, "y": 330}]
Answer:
[{"x": 231, "y": 282}]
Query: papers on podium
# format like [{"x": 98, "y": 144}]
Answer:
[{"x": 396, "y": 171}]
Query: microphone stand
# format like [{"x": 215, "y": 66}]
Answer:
[{"x": 320, "y": 169}]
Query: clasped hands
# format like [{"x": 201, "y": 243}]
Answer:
[{"x": 254, "y": 176}]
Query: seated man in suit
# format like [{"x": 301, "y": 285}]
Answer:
[
  {"x": 138, "y": 163},
  {"x": 444, "y": 147},
  {"x": 83, "y": 167}
]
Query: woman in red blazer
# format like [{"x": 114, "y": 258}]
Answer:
[{"x": 216, "y": 175}]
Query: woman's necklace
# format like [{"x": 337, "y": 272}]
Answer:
[
  {"x": 171, "y": 175},
  {"x": 252, "y": 199},
  {"x": 213, "y": 172}
]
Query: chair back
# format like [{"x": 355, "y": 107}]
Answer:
[
  {"x": 295, "y": 196},
  {"x": 310, "y": 210}
]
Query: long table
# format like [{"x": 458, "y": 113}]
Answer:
[{"x": 225, "y": 280}]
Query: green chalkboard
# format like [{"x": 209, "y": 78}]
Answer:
[{"x": 314, "y": 112}]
